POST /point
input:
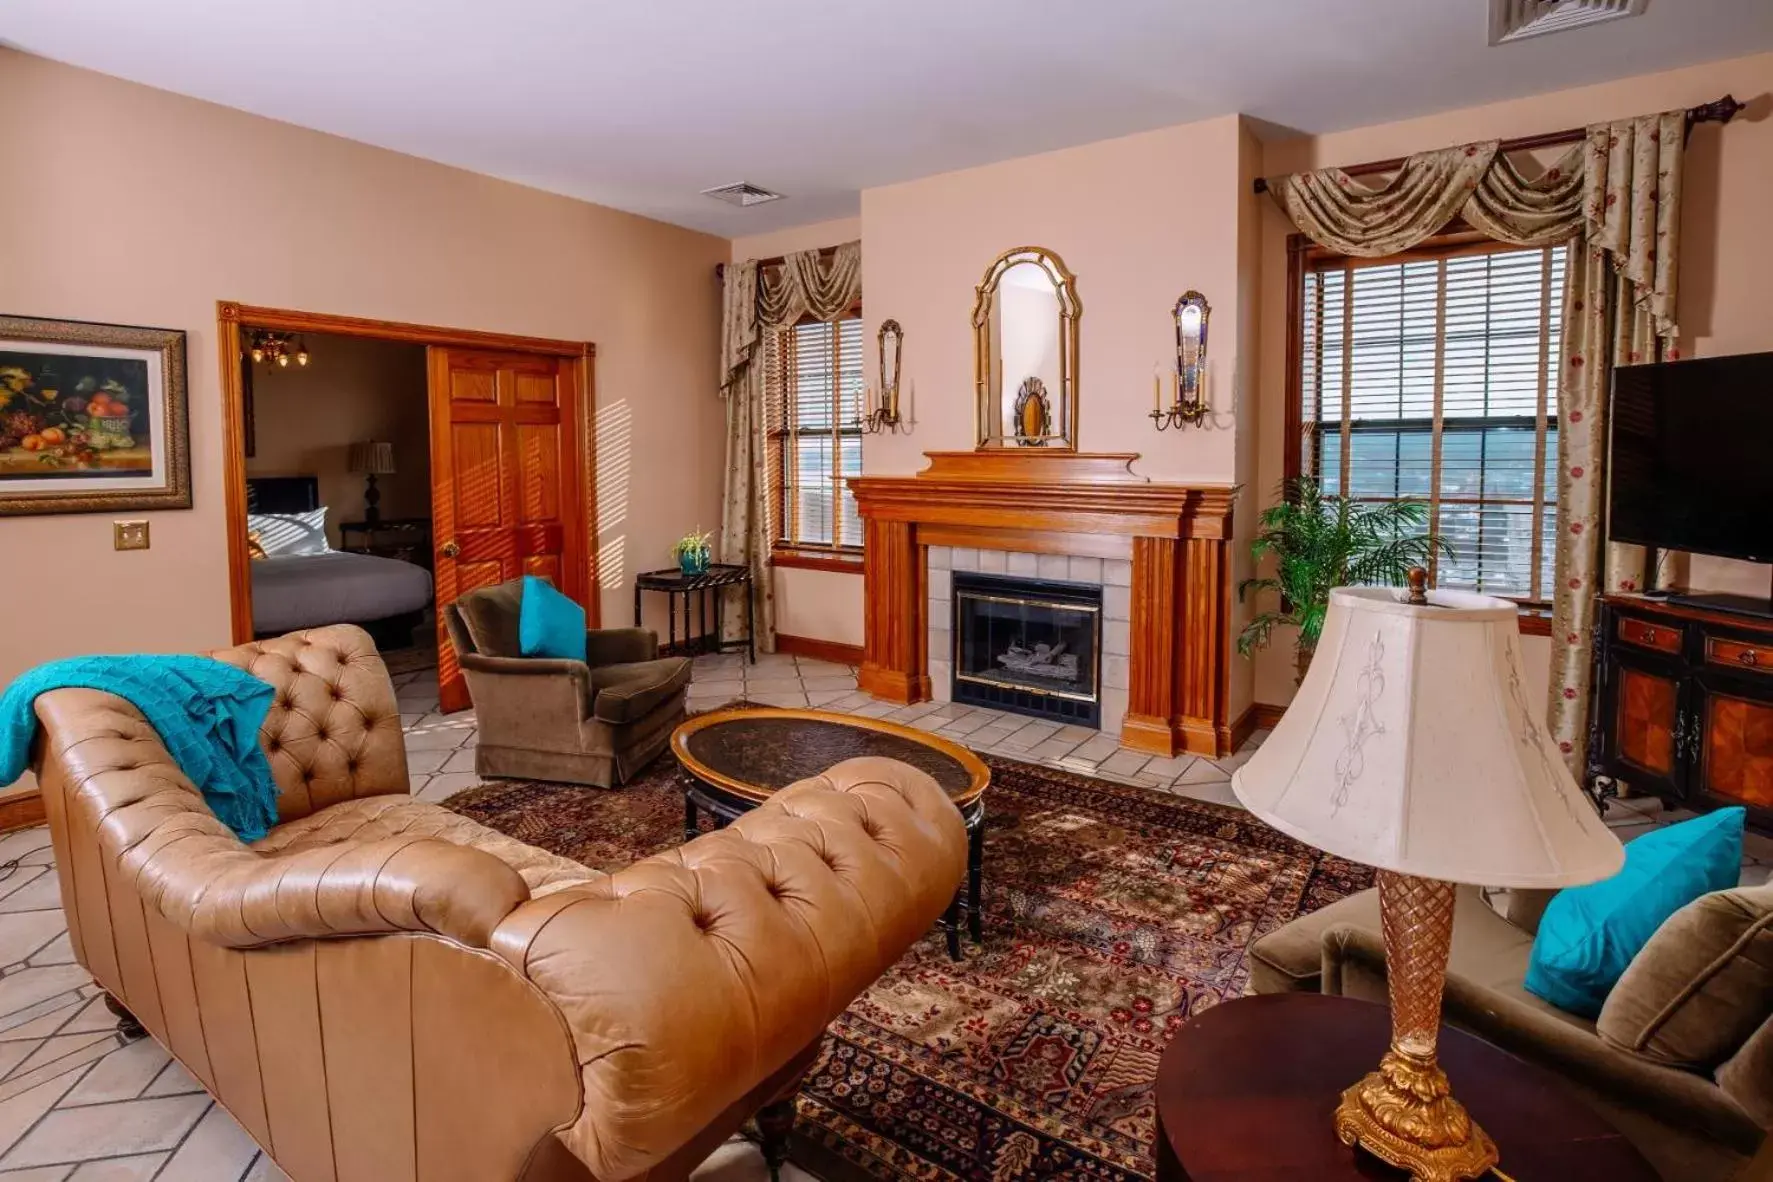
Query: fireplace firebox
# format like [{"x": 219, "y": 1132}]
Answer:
[{"x": 1028, "y": 645}]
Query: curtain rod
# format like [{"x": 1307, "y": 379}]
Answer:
[
  {"x": 825, "y": 252},
  {"x": 1721, "y": 111}
]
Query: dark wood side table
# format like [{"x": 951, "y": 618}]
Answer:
[
  {"x": 710, "y": 608},
  {"x": 1245, "y": 1092},
  {"x": 405, "y": 538},
  {"x": 733, "y": 759}
]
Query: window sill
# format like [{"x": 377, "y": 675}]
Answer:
[
  {"x": 1535, "y": 621},
  {"x": 849, "y": 564}
]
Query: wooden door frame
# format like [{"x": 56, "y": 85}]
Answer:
[{"x": 232, "y": 318}]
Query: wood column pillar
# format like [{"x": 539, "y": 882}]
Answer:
[
  {"x": 1153, "y": 668},
  {"x": 895, "y": 589},
  {"x": 1178, "y": 687}
]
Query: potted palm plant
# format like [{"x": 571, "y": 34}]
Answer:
[{"x": 1320, "y": 542}]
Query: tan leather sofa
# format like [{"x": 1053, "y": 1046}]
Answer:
[
  {"x": 1690, "y": 1125},
  {"x": 596, "y": 721},
  {"x": 382, "y": 989}
]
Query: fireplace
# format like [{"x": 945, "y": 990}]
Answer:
[{"x": 1029, "y": 645}]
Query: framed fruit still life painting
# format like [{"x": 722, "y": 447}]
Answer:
[{"x": 92, "y": 418}]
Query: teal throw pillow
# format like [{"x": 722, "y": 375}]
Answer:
[
  {"x": 1590, "y": 934},
  {"x": 549, "y": 624}
]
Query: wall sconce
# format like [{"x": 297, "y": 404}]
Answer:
[
  {"x": 278, "y": 348},
  {"x": 1188, "y": 403},
  {"x": 885, "y": 415}
]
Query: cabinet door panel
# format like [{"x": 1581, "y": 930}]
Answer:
[
  {"x": 1647, "y": 713},
  {"x": 1737, "y": 754}
]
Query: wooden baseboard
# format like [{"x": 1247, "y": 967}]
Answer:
[
  {"x": 1265, "y": 714},
  {"x": 20, "y": 810},
  {"x": 1241, "y": 728},
  {"x": 815, "y": 649}
]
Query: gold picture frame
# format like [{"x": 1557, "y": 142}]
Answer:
[{"x": 93, "y": 418}]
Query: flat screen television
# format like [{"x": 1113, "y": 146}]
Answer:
[{"x": 1692, "y": 457}]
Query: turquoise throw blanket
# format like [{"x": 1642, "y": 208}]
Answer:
[{"x": 208, "y": 714}]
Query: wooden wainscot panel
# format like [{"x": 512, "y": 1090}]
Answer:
[{"x": 1064, "y": 503}]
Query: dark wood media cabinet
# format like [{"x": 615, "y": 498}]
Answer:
[{"x": 1683, "y": 705}]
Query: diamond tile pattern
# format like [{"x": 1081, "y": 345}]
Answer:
[{"x": 78, "y": 1103}]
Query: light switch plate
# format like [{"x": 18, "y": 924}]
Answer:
[{"x": 129, "y": 535}]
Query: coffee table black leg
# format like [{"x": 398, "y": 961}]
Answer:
[
  {"x": 951, "y": 926},
  {"x": 690, "y": 828},
  {"x": 976, "y": 880}
]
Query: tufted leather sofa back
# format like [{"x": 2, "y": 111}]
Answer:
[{"x": 333, "y": 732}]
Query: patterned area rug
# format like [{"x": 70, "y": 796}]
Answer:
[{"x": 1112, "y": 914}]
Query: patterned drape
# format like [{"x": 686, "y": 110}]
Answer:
[
  {"x": 753, "y": 301},
  {"x": 1616, "y": 199}
]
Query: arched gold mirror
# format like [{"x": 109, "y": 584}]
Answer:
[{"x": 1025, "y": 351}]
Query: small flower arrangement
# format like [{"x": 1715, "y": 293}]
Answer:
[{"x": 692, "y": 552}]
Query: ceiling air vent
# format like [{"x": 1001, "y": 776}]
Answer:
[
  {"x": 1516, "y": 20},
  {"x": 744, "y": 194}
]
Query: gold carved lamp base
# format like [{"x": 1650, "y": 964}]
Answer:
[{"x": 1404, "y": 1113}]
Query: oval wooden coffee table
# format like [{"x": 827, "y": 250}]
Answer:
[{"x": 734, "y": 759}]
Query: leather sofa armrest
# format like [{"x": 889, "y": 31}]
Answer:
[
  {"x": 540, "y": 698},
  {"x": 690, "y": 976},
  {"x": 620, "y": 646},
  {"x": 222, "y": 892},
  {"x": 1565, "y": 1048}
]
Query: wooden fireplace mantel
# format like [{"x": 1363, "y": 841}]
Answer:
[{"x": 1056, "y": 502}]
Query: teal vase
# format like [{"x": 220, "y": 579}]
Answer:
[{"x": 693, "y": 562}]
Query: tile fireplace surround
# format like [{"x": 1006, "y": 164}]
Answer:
[
  {"x": 1113, "y": 575},
  {"x": 998, "y": 506}
]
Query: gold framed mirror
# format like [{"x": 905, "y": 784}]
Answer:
[{"x": 1025, "y": 351}]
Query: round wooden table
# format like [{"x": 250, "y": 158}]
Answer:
[
  {"x": 1245, "y": 1093},
  {"x": 734, "y": 759}
]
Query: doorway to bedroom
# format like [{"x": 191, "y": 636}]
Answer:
[{"x": 376, "y": 471}]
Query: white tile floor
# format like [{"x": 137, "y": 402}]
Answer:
[{"x": 79, "y": 1104}]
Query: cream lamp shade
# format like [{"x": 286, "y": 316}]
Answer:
[
  {"x": 373, "y": 457},
  {"x": 1415, "y": 745}
]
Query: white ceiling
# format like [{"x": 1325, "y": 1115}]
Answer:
[{"x": 641, "y": 104}]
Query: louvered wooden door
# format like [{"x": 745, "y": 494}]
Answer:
[{"x": 507, "y": 480}]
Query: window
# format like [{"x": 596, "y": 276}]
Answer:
[
  {"x": 813, "y": 372},
  {"x": 1433, "y": 375}
]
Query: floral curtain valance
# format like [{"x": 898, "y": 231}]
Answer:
[
  {"x": 1615, "y": 198},
  {"x": 756, "y": 298}
]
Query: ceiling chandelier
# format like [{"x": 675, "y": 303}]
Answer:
[{"x": 277, "y": 348}]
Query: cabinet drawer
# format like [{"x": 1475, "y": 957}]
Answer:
[
  {"x": 1661, "y": 638},
  {"x": 1739, "y": 654}
]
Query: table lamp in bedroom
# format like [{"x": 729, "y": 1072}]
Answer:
[
  {"x": 372, "y": 458},
  {"x": 1415, "y": 746}
]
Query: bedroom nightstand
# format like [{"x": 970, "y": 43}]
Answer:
[{"x": 405, "y": 538}]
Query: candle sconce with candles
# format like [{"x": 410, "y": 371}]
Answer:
[
  {"x": 885, "y": 415},
  {"x": 1188, "y": 403}
]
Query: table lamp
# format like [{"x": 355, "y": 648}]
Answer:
[
  {"x": 1415, "y": 746},
  {"x": 372, "y": 458}
]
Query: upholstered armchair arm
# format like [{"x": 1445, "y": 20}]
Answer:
[
  {"x": 620, "y": 646},
  {"x": 1520, "y": 1026},
  {"x": 192, "y": 869},
  {"x": 688, "y": 976},
  {"x": 538, "y": 697}
]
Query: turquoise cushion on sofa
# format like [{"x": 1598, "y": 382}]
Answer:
[
  {"x": 1590, "y": 934},
  {"x": 549, "y": 624}
]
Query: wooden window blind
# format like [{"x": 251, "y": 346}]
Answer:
[
  {"x": 1434, "y": 375},
  {"x": 813, "y": 381}
]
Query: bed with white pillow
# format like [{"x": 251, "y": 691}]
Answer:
[{"x": 302, "y": 582}]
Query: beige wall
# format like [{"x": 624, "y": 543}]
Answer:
[
  {"x": 1139, "y": 220},
  {"x": 196, "y": 203},
  {"x": 353, "y": 389},
  {"x": 819, "y": 605},
  {"x": 1726, "y": 249}
]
